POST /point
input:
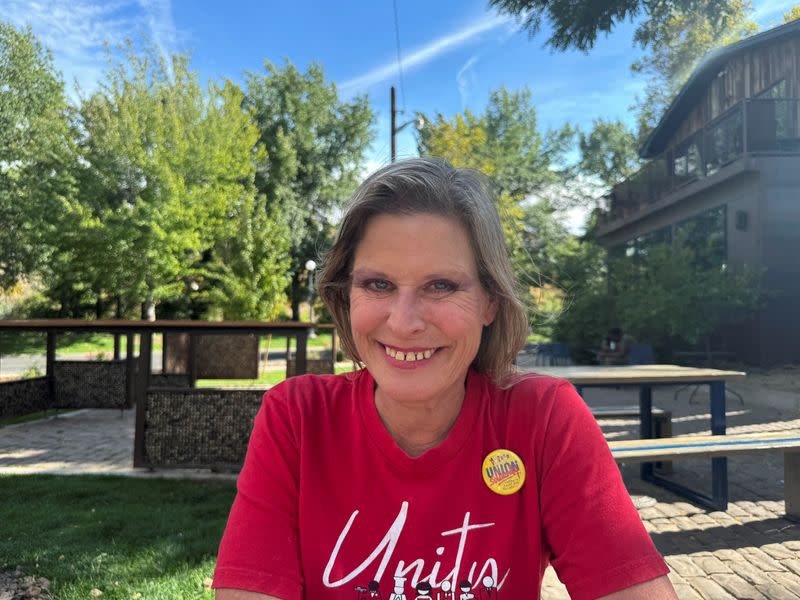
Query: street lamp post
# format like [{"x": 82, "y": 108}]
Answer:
[{"x": 311, "y": 266}]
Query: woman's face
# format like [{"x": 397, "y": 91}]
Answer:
[{"x": 417, "y": 308}]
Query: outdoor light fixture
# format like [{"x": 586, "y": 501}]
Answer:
[{"x": 311, "y": 266}]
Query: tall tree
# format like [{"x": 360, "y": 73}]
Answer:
[
  {"x": 504, "y": 142},
  {"x": 317, "y": 145},
  {"x": 37, "y": 154},
  {"x": 670, "y": 294},
  {"x": 169, "y": 173},
  {"x": 608, "y": 152}
]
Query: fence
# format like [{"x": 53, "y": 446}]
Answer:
[{"x": 753, "y": 126}]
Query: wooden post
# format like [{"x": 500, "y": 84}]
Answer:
[
  {"x": 142, "y": 383},
  {"x": 50, "y": 369},
  {"x": 791, "y": 484},
  {"x": 334, "y": 349},
  {"x": 130, "y": 371},
  {"x": 191, "y": 365},
  {"x": 646, "y": 424},
  {"x": 300, "y": 357},
  {"x": 117, "y": 336}
]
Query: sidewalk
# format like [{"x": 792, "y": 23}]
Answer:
[{"x": 749, "y": 551}]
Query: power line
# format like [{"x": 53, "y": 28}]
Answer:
[{"x": 399, "y": 59}]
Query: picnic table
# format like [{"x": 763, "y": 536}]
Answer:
[{"x": 645, "y": 378}]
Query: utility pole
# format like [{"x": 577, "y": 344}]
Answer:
[
  {"x": 419, "y": 123},
  {"x": 394, "y": 128}
]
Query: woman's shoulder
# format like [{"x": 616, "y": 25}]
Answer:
[
  {"x": 527, "y": 395},
  {"x": 306, "y": 392},
  {"x": 529, "y": 385}
]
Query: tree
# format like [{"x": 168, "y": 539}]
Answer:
[
  {"x": 577, "y": 24},
  {"x": 37, "y": 154},
  {"x": 316, "y": 148},
  {"x": 169, "y": 178},
  {"x": 504, "y": 143},
  {"x": 792, "y": 15},
  {"x": 608, "y": 152},
  {"x": 670, "y": 295}
]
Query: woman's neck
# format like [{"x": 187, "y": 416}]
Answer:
[{"x": 418, "y": 427}]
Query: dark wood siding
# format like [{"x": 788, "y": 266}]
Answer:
[{"x": 742, "y": 77}]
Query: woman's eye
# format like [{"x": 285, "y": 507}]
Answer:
[
  {"x": 377, "y": 285},
  {"x": 443, "y": 286}
]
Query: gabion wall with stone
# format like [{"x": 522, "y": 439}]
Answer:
[
  {"x": 203, "y": 428},
  {"x": 90, "y": 384},
  {"x": 23, "y": 397},
  {"x": 314, "y": 366},
  {"x": 172, "y": 380}
]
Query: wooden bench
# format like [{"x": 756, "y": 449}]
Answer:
[
  {"x": 718, "y": 446},
  {"x": 662, "y": 425}
]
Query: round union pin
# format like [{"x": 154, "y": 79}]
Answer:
[{"x": 503, "y": 472}]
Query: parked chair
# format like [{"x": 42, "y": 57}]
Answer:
[
  {"x": 641, "y": 354},
  {"x": 552, "y": 354}
]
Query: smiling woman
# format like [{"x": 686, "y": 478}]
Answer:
[{"x": 436, "y": 466}]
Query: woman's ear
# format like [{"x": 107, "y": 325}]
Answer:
[{"x": 490, "y": 313}]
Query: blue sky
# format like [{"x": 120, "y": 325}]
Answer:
[{"x": 454, "y": 52}]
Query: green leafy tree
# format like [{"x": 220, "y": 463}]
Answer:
[
  {"x": 608, "y": 152},
  {"x": 578, "y": 23},
  {"x": 505, "y": 144},
  {"x": 37, "y": 154},
  {"x": 673, "y": 293},
  {"x": 169, "y": 177},
  {"x": 316, "y": 150}
]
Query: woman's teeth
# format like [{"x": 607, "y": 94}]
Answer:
[{"x": 409, "y": 356}]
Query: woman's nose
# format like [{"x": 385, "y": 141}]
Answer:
[{"x": 406, "y": 313}]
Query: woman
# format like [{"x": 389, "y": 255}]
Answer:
[{"x": 435, "y": 462}]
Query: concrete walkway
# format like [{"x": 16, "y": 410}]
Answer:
[{"x": 749, "y": 551}]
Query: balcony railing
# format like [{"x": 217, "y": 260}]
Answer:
[{"x": 753, "y": 126}]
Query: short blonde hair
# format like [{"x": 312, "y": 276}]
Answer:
[{"x": 431, "y": 185}]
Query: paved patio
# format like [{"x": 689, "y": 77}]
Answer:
[{"x": 749, "y": 551}]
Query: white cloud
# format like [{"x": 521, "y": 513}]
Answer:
[
  {"x": 427, "y": 53},
  {"x": 158, "y": 16},
  {"x": 75, "y": 30},
  {"x": 465, "y": 78}
]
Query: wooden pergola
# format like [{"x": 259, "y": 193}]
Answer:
[{"x": 138, "y": 379}]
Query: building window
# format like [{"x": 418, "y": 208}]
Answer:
[{"x": 705, "y": 234}]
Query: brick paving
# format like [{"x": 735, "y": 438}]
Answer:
[{"x": 749, "y": 551}]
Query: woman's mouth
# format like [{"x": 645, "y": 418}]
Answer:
[{"x": 409, "y": 355}]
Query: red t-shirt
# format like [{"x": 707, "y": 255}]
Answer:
[{"x": 328, "y": 502}]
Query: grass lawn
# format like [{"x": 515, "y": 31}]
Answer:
[
  {"x": 268, "y": 377},
  {"x": 85, "y": 343},
  {"x": 129, "y": 538}
]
